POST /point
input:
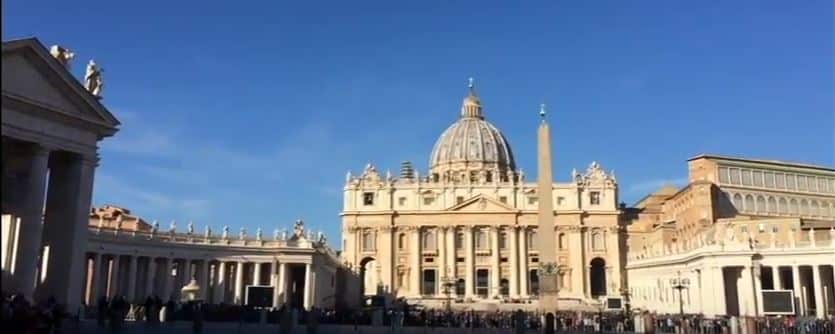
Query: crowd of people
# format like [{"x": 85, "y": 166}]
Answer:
[{"x": 21, "y": 316}]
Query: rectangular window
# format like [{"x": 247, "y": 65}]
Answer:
[
  {"x": 368, "y": 198},
  {"x": 769, "y": 179},
  {"x": 790, "y": 182},
  {"x": 746, "y": 177},
  {"x": 560, "y": 200},
  {"x": 532, "y": 200},
  {"x": 823, "y": 186},
  {"x": 780, "y": 180},
  {"x": 502, "y": 240},
  {"x": 459, "y": 259},
  {"x": 429, "y": 282},
  {"x": 459, "y": 240},
  {"x": 503, "y": 199},
  {"x": 459, "y": 199},
  {"x": 734, "y": 175},
  {"x": 428, "y": 200},
  {"x": 801, "y": 182},
  {"x": 758, "y": 178},
  {"x": 401, "y": 201},
  {"x": 594, "y": 197},
  {"x": 504, "y": 259},
  {"x": 723, "y": 175},
  {"x": 429, "y": 260},
  {"x": 535, "y": 260}
]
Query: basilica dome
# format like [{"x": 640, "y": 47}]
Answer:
[{"x": 471, "y": 144}]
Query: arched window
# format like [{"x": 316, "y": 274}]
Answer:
[
  {"x": 532, "y": 239},
  {"x": 793, "y": 208},
  {"x": 772, "y": 205},
  {"x": 804, "y": 208},
  {"x": 562, "y": 242},
  {"x": 782, "y": 206},
  {"x": 737, "y": 201},
  {"x": 760, "y": 204},
  {"x": 368, "y": 240},
  {"x": 401, "y": 241},
  {"x": 749, "y": 203},
  {"x": 597, "y": 240},
  {"x": 482, "y": 240},
  {"x": 814, "y": 209},
  {"x": 429, "y": 240}
]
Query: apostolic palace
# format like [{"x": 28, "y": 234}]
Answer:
[{"x": 743, "y": 237}]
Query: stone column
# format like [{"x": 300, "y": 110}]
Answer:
[
  {"x": 274, "y": 281},
  {"x": 468, "y": 262},
  {"x": 239, "y": 282},
  {"x": 817, "y": 283},
  {"x": 513, "y": 262},
  {"x": 798, "y": 291},
  {"x": 308, "y": 286},
  {"x": 414, "y": 255},
  {"x": 494, "y": 269},
  {"x": 523, "y": 263},
  {"x": 131, "y": 294},
  {"x": 187, "y": 273},
  {"x": 256, "y": 276},
  {"x": 756, "y": 275},
  {"x": 775, "y": 274},
  {"x": 31, "y": 219},
  {"x": 746, "y": 291},
  {"x": 92, "y": 281},
  {"x": 167, "y": 279},
  {"x": 150, "y": 282},
  {"x": 113, "y": 279},
  {"x": 205, "y": 273},
  {"x": 440, "y": 245},
  {"x": 282, "y": 283},
  {"x": 220, "y": 283},
  {"x": 66, "y": 221},
  {"x": 451, "y": 262}
]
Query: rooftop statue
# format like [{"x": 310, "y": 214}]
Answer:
[
  {"x": 93, "y": 80},
  {"x": 155, "y": 226},
  {"x": 208, "y": 232},
  {"x": 298, "y": 228},
  {"x": 275, "y": 234},
  {"x": 173, "y": 227},
  {"x": 259, "y": 234},
  {"x": 190, "y": 227},
  {"x": 242, "y": 234},
  {"x": 63, "y": 55},
  {"x": 225, "y": 232}
]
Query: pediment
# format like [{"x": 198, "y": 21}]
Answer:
[
  {"x": 481, "y": 203},
  {"x": 31, "y": 75}
]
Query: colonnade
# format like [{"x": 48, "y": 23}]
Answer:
[{"x": 137, "y": 277}]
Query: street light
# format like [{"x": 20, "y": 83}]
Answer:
[{"x": 680, "y": 284}]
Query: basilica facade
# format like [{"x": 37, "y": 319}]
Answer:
[{"x": 465, "y": 231}]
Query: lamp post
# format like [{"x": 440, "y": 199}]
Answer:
[{"x": 680, "y": 284}]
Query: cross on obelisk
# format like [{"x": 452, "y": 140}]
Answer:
[{"x": 548, "y": 287}]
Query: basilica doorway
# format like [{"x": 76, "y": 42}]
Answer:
[
  {"x": 297, "y": 285},
  {"x": 368, "y": 276},
  {"x": 597, "y": 277}
]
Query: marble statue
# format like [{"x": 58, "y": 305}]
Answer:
[
  {"x": 283, "y": 234},
  {"x": 155, "y": 226},
  {"x": 173, "y": 227},
  {"x": 275, "y": 234},
  {"x": 190, "y": 228},
  {"x": 208, "y": 232},
  {"x": 259, "y": 234},
  {"x": 320, "y": 237},
  {"x": 225, "y": 232},
  {"x": 94, "y": 82},
  {"x": 298, "y": 228},
  {"x": 242, "y": 233},
  {"x": 63, "y": 55},
  {"x": 348, "y": 177}
]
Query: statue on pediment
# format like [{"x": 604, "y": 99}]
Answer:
[
  {"x": 93, "y": 79},
  {"x": 155, "y": 226},
  {"x": 320, "y": 237},
  {"x": 63, "y": 55},
  {"x": 259, "y": 234},
  {"x": 298, "y": 229},
  {"x": 276, "y": 234}
]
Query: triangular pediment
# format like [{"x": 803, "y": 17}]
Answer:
[
  {"x": 481, "y": 203},
  {"x": 32, "y": 76}
]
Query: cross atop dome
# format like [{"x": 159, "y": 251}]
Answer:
[{"x": 471, "y": 108}]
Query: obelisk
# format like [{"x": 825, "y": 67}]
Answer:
[{"x": 548, "y": 287}]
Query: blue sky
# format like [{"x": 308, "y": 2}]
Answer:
[{"x": 249, "y": 113}]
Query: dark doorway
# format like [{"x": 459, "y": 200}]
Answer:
[
  {"x": 597, "y": 277},
  {"x": 296, "y": 288},
  {"x": 504, "y": 287},
  {"x": 730, "y": 276},
  {"x": 460, "y": 287},
  {"x": 534, "y": 282},
  {"x": 482, "y": 287},
  {"x": 428, "y": 287}
]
